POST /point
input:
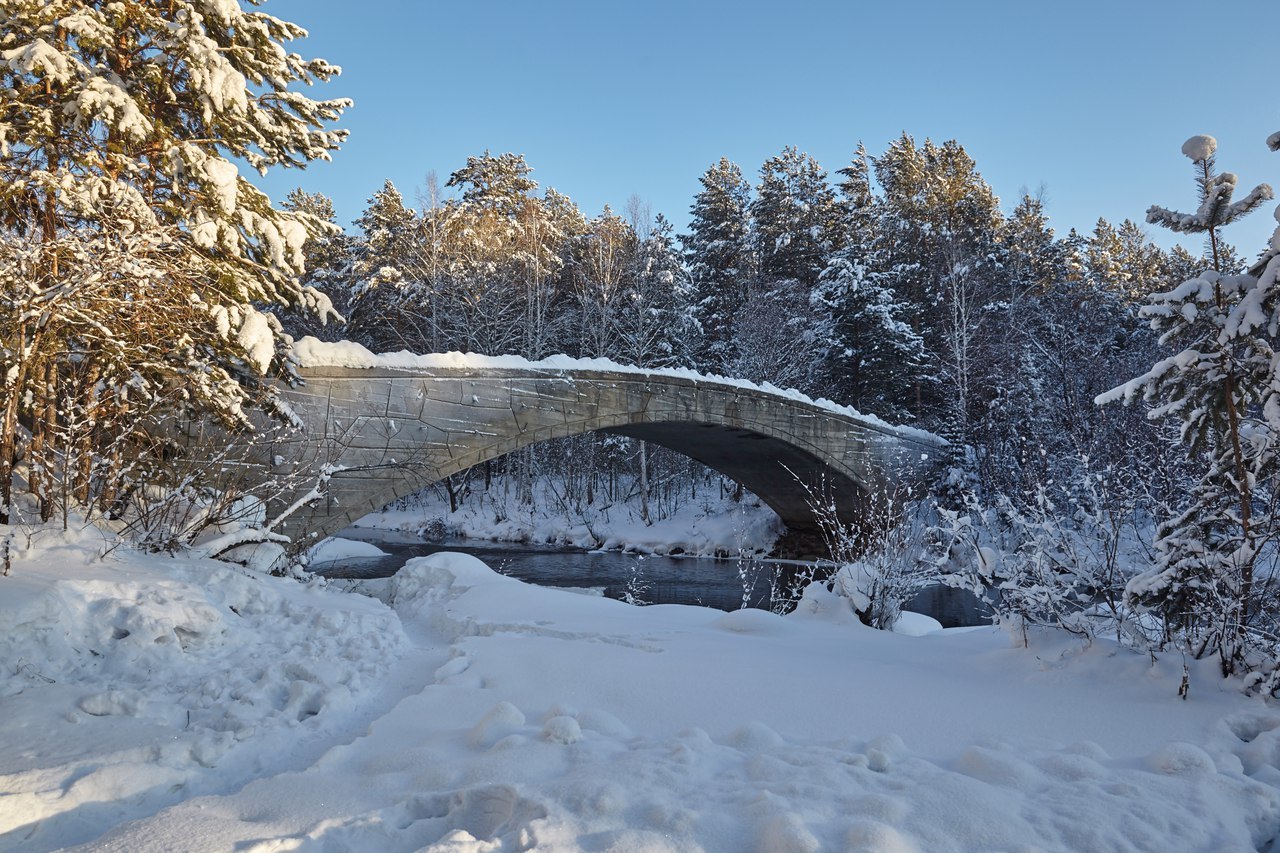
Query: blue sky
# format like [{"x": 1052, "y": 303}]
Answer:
[{"x": 1088, "y": 101}]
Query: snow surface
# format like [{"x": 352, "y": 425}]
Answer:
[
  {"x": 709, "y": 526},
  {"x": 337, "y": 548},
  {"x": 312, "y": 352},
  {"x": 176, "y": 704}
]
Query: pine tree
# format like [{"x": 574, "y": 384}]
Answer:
[
  {"x": 1142, "y": 264},
  {"x": 648, "y": 323},
  {"x": 718, "y": 254},
  {"x": 387, "y": 236},
  {"x": 856, "y": 202},
  {"x": 1223, "y": 387},
  {"x": 386, "y": 307},
  {"x": 937, "y": 240},
  {"x": 510, "y": 249},
  {"x": 1034, "y": 259},
  {"x": 122, "y": 125}
]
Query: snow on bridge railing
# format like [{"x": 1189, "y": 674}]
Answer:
[{"x": 312, "y": 352}]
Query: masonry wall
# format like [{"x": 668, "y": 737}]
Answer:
[{"x": 393, "y": 432}]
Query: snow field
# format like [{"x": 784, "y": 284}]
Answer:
[
  {"x": 526, "y": 718},
  {"x": 128, "y": 679}
]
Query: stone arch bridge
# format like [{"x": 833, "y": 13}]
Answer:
[{"x": 393, "y": 430}]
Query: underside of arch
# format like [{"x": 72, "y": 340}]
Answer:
[{"x": 786, "y": 477}]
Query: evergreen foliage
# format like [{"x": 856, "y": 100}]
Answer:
[
  {"x": 718, "y": 255},
  {"x": 793, "y": 217}
]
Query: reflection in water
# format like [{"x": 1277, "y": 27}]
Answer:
[{"x": 652, "y": 579}]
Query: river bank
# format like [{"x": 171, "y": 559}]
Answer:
[{"x": 713, "y": 524}]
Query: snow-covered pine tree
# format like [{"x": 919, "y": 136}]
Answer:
[
  {"x": 123, "y": 128},
  {"x": 874, "y": 357},
  {"x": 1102, "y": 258},
  {"x": 777, "y": 331},
  {"x": 387, "y": 235},
  {"x": 856, "y": 201},
  {"x": 387, "y": 312},
  {"x": 1142, "y": 264},
  {"x": 718, "y": 253},
  {"x": 1034, "y": 260},
  {"x": 648, "y": 323},
  {"x": 510, "y": 251},
  {"x": 937, "y": 240},
  {"x": 1223, "y": 386}
]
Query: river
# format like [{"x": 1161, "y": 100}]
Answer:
[{"x": 722, "y": 584}]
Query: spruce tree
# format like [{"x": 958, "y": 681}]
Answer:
[
  {"x": 794, "y": 219},
  {"x": 386, "y": 307},
  {"x": 856, "y": 202},
  {"x": 874, "y": 358},
  {"x": 718, "y": 254}
]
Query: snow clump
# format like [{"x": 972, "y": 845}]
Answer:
[{"x": 1200, "y": 147}]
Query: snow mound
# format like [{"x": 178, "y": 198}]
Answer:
[
  {"x": 160, "y": 704},
  {"x": 1182, "y": 758},
  {"x": 172, "y": 667},
  {"x": 817, "y": 603},
  {"x": 337, "y": 548},
  {"x": 915, "y": 624}
]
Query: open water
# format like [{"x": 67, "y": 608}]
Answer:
[{"x": 719, "y": 583}]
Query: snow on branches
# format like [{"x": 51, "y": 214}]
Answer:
[
  {"x": 123, "y": 127},
  {"x": 1216, "y": 190}
]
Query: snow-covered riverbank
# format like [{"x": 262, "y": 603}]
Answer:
[
  {"x": 714, "y": 525},
  {"x": 159, "y": 704}
]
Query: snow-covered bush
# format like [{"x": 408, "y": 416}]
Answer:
[
  {"x": 1065, "y": 554},
  {"x": 880, "y": 562}
]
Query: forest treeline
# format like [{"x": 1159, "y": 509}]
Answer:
[{"x": 899, "y": 287}]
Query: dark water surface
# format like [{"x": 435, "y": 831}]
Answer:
[{"x": 616, "y": 574}]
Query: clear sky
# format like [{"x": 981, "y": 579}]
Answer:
[{"x": 1087, "y": 100}]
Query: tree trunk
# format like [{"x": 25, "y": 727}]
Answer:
[{"x": 644, "y": 484}]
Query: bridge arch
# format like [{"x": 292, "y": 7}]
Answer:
[{"x": 391, "y": 432}]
